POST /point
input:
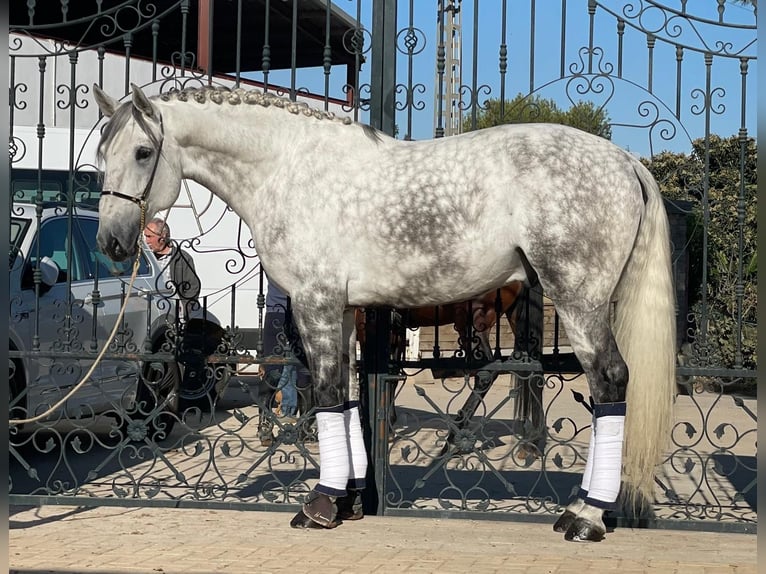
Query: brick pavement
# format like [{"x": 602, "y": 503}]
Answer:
[{"x": 110, "y": 540}]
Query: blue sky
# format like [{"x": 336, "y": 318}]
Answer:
[{"x": 629, "y": 105}]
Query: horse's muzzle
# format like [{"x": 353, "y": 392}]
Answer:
[{"x": 115, "y": 250}]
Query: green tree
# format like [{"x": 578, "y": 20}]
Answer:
[
  {"x": 681, "y": 177},
  {"x": 528, "y": 109}
]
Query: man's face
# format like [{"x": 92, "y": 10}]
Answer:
[{"x": 153, "y": 238}]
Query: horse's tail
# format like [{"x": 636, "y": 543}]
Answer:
[{"x": 646, "y": 336}]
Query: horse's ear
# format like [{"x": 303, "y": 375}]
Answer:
[
  {"x": 142, "y": 103},
  {"x": 106, "y": 103}
]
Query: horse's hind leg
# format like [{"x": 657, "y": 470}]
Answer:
[{"x": 595, "y": 347}]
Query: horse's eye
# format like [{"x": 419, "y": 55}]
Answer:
[{"x": 143, "y": 153}]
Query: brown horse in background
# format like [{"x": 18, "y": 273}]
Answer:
[{"x": 484, "y": 312}]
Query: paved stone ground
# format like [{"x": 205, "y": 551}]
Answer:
[{"x": 109, "y": 540}]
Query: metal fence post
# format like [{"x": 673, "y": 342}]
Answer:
[
  {"x": 383, "y": 66},
  {"x": 378, "y": 321}
]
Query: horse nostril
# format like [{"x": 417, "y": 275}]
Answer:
[{"x": 114, "y": 250}]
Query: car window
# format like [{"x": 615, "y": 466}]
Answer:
[
  {"x": 18, "y": 230},
  {"x": 100, "y": 264},
  {"x": 25, "y": 190},
  {"x": 55, "y": 243},
  {"x": 54, "y": 186}
]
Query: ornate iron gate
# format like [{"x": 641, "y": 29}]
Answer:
[{"x": 451, "y": 431}]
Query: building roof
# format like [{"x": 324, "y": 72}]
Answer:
[{"x": 83, "y": 26}]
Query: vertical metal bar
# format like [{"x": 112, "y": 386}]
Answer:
[
  {"x": 358, "y": 45},
  {"x": 260, "y": 303},
  {"x": 721, "y": 10},
  {"x": 6, "y": 215},
  {"x": 503, "y": 56},
  {"x": 378, "y": 323},
  {"x": 679, "y": 62},
  {"x": 12, "y": 97},
  {"x": 706, "y": 199},
  {"x": 528, "y": 345},
  {"x": 498, "y": 312},
  {"x": 475, "y": 68},
  {"x": 382, "y": 117},
  {"x": 294, "y": 52},
  {"x": 532, "y": 19},
  {"x": 266, "y": 52},
  {"x": 210, "y": 28},
  {"x": 327, "y": 56},
  {"x": 591, "y": 27},
  {"x": 238, "y": 62},
  {"x": 409, "y": 90},
  {"x": 42, "y": 63},
  {"x": 374, "y": 420},
  {"x": 101, "y": 55},
  {"x": 739, "y": 288},
  {"x": 184, "y": 19},
  {"x": 620, "y": 45},
  {"x": 383, "y": 401},
  {"x": 562, "y": 64},
  {"x": 119, "y": 338},
  {"x": 469, "y": 333},
  {"x": 127, "y": 41},
  {"x": 233, "y": 307},
  {"x": 12, "y": 146},
  {"x": 650, "y": 41},
  {"x": 155, "y": 40},
  {"x": 440, "y": 58},
  {"x": 70, "y": 203},
  {"x": 148, "y": 337},
  {"x": 383, "y": 66}
]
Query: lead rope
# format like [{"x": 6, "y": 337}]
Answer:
[{"x": 108, "y": 342}]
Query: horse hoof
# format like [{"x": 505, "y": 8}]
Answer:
[
  {"x": 564, "y": 521},
  {"x": 582, "y": 530},
  {"x": 300, "y": 520},
  {"x": 319, "y": 511},
  {"x": 350, "y": 506}
]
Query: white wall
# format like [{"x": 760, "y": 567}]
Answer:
[{"x": 215, "y": 236}]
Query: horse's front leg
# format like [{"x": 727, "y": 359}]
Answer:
[
  {"x": 323, "y": 338},
  {"x": 350, "y": 506}
]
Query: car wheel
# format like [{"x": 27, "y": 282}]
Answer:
[{"x": 201, "y": 382}]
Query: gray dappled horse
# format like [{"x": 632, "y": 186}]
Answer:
[{"x": 344, "y": 216}]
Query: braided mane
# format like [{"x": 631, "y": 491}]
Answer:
[{"x": 220, "y": 95}]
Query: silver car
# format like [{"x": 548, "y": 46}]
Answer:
[{"x": 63, "y": 317}]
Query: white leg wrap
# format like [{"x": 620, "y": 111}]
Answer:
[
  {"x": 606, "y": 473},
  {"x": 334, "y": 457},
  {"x": 585, "y": 484},
  {"x": 358, "y": 462}
]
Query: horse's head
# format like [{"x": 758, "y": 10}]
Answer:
[{"x": 142, "y": 173}]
